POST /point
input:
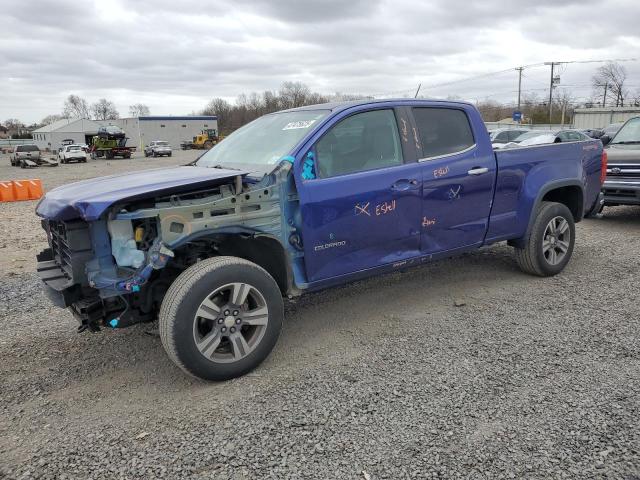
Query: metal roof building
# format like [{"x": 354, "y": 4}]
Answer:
[
  {"x": 139, "y": 130},
  {"x": 80, "y": 130}
]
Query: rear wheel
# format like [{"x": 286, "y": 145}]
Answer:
[
  {"x": 221, "y": 318},
  {"x": 208, "y": 144},
  {"x": 550, "y": 244}
]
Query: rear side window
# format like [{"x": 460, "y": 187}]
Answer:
[
  {"x": 443, "y": 131},
  {"x": 364, "y": 141}
]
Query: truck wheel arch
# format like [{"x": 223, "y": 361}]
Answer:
[
  {"x": 264, "y": 250},
  {"x": 566, "y": 192}
]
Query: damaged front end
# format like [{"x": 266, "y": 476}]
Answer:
[
  {"x": 99, "y": 272},
  {"x": 114, "y": 270}
]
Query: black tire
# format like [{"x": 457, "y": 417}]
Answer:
[
  {"x": 23, "y": 165},
  {"x": 532, "y": 259},
  {"x": 169, "y": 155},
  {"x": 154, "y": 154},
  {"x": 179, "y": 320}
]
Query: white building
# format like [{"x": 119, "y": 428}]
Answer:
[
  {"x": 601, "y": 117},
  {"x": 139, "y": 130},
  {"x": 143, "y": 130},
  {"x": 80, "y": 130}
]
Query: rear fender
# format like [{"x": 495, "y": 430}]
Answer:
[{"x": 535, "y": 205}]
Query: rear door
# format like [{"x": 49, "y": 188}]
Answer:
[
  {"x": 362, "y": 210},
  {"x": 458, "y": 178}
]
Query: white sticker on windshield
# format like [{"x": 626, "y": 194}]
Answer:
[{"x": 301, "y": 124}]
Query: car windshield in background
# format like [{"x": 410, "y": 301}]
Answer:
[
  {"x": 630, "y": 133},
  {"x": 261, "y": 144},
  {"x": 612, "y": 129},
  {"x": 27, "y": 148},
  {"x": 162, "y": 144}
]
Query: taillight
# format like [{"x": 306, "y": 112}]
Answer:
[{"x": 603, "y": 167}]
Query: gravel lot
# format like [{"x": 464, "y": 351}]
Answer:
[{"x": 460, "y": 369}]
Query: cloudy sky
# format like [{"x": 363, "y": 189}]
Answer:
[{"x": 176, "y": 55}]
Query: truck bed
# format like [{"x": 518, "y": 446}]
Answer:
[{"x": 524, "y": 172}]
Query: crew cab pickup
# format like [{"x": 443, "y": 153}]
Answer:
[
  {"x": 622, "y": 185},
  {"x": 298, "y": 201}
]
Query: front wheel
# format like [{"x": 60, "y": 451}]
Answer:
[
  {"x": 221, "y": 318},
  {"x": 550, "y": 244}
]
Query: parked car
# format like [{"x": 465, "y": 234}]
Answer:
[
  {"x": 297, "y": 201},
  {"x": 72, "y": 153},
  {"x": 157, "y": 148},
  {"x": 593, "y": 132},
  {"x": 28, "y": 155},
  {"x": 542, "y": 137},
  {"x": 502, "y": 136},
  {"x": 622, "y": 185}
]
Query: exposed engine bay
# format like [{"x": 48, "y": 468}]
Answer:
[{"x": 115, "y": 270}]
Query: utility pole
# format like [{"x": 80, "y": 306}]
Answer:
[
  {"x": 553, "y": 64},
  {"x": 604, "y": 99},
  {"x": 519, "y": 69}
]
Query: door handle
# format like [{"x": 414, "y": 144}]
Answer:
[
  {"x": 478, "y": 170},
  {"x": 404, "y": 184}
]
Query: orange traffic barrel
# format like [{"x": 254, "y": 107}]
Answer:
[
  {"x": 34, "y": 187},
  {"x": 6, "y": 192},
  {"x": 20, "y": 190}
]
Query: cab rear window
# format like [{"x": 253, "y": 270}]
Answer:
[{"x": 27, "y": 148}]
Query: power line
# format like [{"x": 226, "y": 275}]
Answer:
[{"x": 410, "y": 91}]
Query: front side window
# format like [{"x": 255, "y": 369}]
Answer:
[
  {"x": 364, "y": 141},
  {"x": 443, "y": 131}
]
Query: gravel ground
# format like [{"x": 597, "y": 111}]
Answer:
[{"x": 459, "y": 369}]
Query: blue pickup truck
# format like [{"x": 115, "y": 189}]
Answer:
[{"x": 298, "y": 201}]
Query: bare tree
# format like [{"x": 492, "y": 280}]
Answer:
[
  {"x": 75, "y": 107},
  {"x": 139, "y": 110},
  {"x": 49, "y": 119},
  {"x": 608, "y": 84},
  {"x": 564, "y": 101},
  {"x": 293, "y": 94},
  {"x": 103, "y": 109},
  {"x": 13, "y": 123}
]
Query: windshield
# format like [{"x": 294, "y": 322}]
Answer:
[
  {"x": 73, "y": 148},
  {"x": 259, "y": 145},
  {"x": 629, "y": 133},
  {"x": 162, "y": 143}
]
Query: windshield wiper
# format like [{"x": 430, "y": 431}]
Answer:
[{"x": 630, "y": 142}]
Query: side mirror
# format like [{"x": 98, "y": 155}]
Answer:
[{"x": 605, "y": 139}]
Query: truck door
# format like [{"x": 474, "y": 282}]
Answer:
[
  {"x": 363, "y": 208},
  {"x": 458, "y": 178}
]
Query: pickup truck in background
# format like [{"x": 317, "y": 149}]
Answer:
[
  {"x": 298, "y": 201},
  {"x": 622, "y": 185}
]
